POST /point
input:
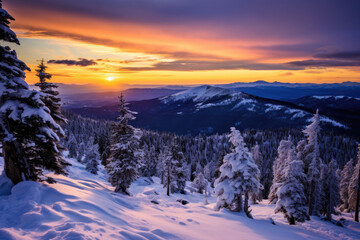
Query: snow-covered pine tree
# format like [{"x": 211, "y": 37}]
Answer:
[
  {"x": 312, "y": 165},
  {"x": 200, "y": 183},
  {"x": 279, "y": 165},
  {"x": 92, "y": 159},
  {"x": 28, "y": 132},
  {"x": 354, "y": 188},
  {"x": 290, "y": 193},
  {"x": 49, "y": 94},
  {"x": 239, "y": 176},
  {"x": 346, "y": 174},
  {"x": 165, "y": 158},
  {"x": 72, "y": 146},
  {"x": 331, "y": 190},
  {"x": 178, "y": 168},
  {"x": 258, "y": 159},
  {"x": 122, "y": 163},
  {"x": 148, "y": 161}
]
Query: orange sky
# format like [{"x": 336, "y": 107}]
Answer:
[{"x": 185, "y": 50}]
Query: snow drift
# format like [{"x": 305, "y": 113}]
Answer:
[{"x": 84, "y": 206}]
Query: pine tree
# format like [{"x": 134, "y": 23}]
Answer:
[
  {"x": 92, "y": 159},
  {"x": 200, "y": 183},
  {"x": 49, "y": 94},
  {"x": 147, "y": 162},
  {"x": 122, "y": 163},
  {"x": 290, "y": 193},
  {"x": 346, "y": 174},
  {"x": 177, "y": 169},
  {"x": 29, "y": 134},
  {"x": 72, "y": 146},
  {"x": 312, "y": 165},
  {"x": 279, "y": 165},
  {"x": 239, "y": 176},
  {"x": 331, "y": 190},
  {"x": 354, "y": 188},
  {"x": 258, "y": 159},
  {"x": 165, "y": 158}
]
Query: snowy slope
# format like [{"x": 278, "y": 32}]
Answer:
[
  {"x": 83, "y": 206},
  {"x": 201, "y": 93}
]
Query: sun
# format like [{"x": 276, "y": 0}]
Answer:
[{"x": 110, "y": 79}]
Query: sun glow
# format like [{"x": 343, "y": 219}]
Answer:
[{"x": 110, "y": 79}]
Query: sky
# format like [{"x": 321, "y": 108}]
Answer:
[{"x": 115, "y": 42}]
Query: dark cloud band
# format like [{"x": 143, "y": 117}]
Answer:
[{"x": 82, "y": 62}]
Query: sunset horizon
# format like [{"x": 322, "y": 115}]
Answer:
[{"x": 164, "y": 43}]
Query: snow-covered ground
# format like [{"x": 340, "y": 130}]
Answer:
[{"x": 83, "y": 206}]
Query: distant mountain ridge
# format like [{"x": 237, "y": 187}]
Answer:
[
  {"x": 339, "y": 107},
  {"x": 208, "y": 109},
  {"x": 286, "y": 91},
  {"x": 108, "y": 98},
  {"x": 90, "y": 94}
]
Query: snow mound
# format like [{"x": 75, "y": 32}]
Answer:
[{"x": 84, "y": 206}]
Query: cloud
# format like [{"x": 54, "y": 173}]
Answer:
[
  {"x": 254, "y": 21},
  {"x": 331, "y": 59},
  {"x": 210, "y": 65},
  {"x": 340, "y": 55},
  {"x": 156, "y": 49},
  {"x": 324, "y": 63},
  {"x": 82, "y": 62}
]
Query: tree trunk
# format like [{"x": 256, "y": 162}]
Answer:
[
  {"x": 206, "y": 196},
  {"x": 239, "y": 204},
  {"x": 246, "y": 205},
  {"x": 357, "y": 199},
  {"x": 12, "y": 163},
  {"x": 168, "y": 182},
  {"x": 291, "y": 220}
]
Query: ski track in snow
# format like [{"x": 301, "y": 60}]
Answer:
[{"x": 83, "y": 206}]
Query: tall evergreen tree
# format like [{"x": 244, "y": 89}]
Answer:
[
  {"x": 178, "y": 168},
  {"x": 123, "y": 160},
  {"x": 312, "y": 165},
  {"x": 354, "y": 188},
  {"x": 239, "y": 176},
  {"x": 29, "y": 134},
  {"x": 290, "y": 193},
  {"x": 279, "y": 165},
  {"x": 346, "y": 174},
  {"x": 174, "y": 168},
  {"x": 331, "y": 190},
  {"x": 258, "y": 159},
  {"x": 49, "y": 94},
  {"x": 92, "y": 159},
  {"x": 165, "y": 158}
]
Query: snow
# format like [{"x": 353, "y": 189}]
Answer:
[
  {"x": 83, "y": 206},
  {"x": 272, "y": 107},
  {"x": 336, "y": 97},
  {"x": 249, "y": 102},
  {"x": 297, "y": 113},
  {"x": 201, "y": 93},
  {"x": 330, "y": 121}
]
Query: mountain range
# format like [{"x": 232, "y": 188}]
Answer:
[{"x": 212, "y": 109}]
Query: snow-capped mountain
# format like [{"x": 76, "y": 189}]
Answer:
[
  {"x": 329, "y": 102},
  {"x": 209, "y": 109},
  {"x": 346, "y": 109}
]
